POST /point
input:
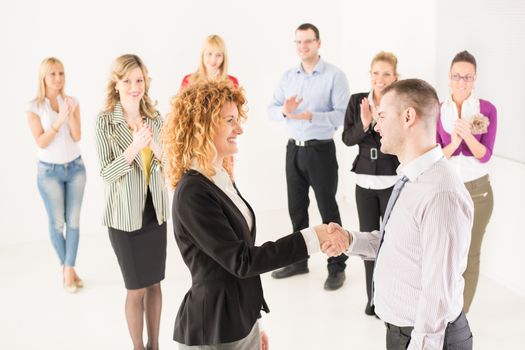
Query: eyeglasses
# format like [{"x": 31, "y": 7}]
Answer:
[
  {"x": 467, "y": 78},
  {"x": 307, "y": 41}
]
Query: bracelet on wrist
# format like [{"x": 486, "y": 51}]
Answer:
[{"x": 54, "y": 129}]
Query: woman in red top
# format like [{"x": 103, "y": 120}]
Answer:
[{"x": 213, "y": 63}]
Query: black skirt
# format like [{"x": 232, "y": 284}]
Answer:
[{"x": 141, "y": 254}]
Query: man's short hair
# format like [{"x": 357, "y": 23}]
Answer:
[
  {"x": 418, "y": 94},
  {"x": 306, "y": 26}
]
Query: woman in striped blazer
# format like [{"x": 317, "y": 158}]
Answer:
[{"x": 129, "y": 153}]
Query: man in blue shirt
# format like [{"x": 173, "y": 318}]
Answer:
[{"x": 311, "y": 98}]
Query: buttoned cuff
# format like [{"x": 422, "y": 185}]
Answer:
[{"x": 352, "y": 244}]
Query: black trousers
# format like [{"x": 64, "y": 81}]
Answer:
[
  {"x": 457, "y": 335},
  {"x": 371, "y": 206},
  {"x": 314, "y": 165}
]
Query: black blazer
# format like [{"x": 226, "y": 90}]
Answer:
[
  {"x": 353, "y": 134},
  {"x": 226, "y": 296}
]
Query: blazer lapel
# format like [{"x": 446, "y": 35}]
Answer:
[{"x": 253, "y": 230}]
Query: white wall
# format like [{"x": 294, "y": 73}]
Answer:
[
  {"x": 502, "y": 257},
  {"x": 494, "y": 32},
  {"x": 167, "y": 35},
  {"x": 406, "y": 28}
]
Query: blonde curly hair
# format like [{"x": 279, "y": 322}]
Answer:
[{"x": 189, "y": 129}]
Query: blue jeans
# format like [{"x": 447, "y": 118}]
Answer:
[{"x": 62, "y": 188}]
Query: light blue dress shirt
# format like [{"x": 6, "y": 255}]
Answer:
[{"x": 325, "y": 94}]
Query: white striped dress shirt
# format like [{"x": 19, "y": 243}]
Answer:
[{"x": 418, "y": 275}]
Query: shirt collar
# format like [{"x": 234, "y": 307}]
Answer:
[
  {"x": 318, "y": 68},
  {"x": 422, "y": 163},
  {"x": 221, "y": 178},
  {"x": 470, "y": 100}
]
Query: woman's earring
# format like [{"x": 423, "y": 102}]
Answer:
[{"x": 116, "y": 91}]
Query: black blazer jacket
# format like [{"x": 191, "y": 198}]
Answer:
[
  {"x": 226, "y": 295},
  {"x": 353, "y": 134}
]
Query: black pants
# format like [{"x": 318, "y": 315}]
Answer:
[
  {"x": 457, "y": 335},
  {"x": 371, "y": 206},
  {"x": 316, "y": 166}
]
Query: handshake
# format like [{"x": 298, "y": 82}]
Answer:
[{"x": 333, "y": 239}]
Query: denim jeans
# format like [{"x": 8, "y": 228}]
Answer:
[{"x": 62, "y": 188}]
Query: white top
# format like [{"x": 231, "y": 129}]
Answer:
[
  {"x": 374, "y": 182},
  {"x": 468, "y": 167},
  {"x": 223, "y": 181},
  {"x": 62, "y": 148},
  {"x": 418, "y": 278}
]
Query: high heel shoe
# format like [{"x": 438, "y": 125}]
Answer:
[
  {"x": 79, "y": 282},
  {"x": 72, "y": 288}
]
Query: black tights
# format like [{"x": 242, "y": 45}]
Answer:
[{"x": 139, "y": 303}]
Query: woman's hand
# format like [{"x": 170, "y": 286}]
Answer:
[
  {"x": 455, "y": 139},
  {"x": 265, "y": 344},
  {"x": 64, "y": 110},
  {"x": 142, "y": 137},
  {"x": 366, "y": 113},
  {"x": 462, "y": 128},
  {"x": 71, "y": 103}
]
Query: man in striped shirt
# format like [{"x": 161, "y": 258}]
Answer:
[{"x": 421, "y": 249}]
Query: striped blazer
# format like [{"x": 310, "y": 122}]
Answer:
[{"x": 126, "y": 188}]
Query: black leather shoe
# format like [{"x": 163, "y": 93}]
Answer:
[
  {"x": 289, "y": 270},
  {"x": 335, "y": 280}
]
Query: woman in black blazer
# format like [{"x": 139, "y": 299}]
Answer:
[
  {"x": 215, "y": 227},
  {"x": 375, "y": 171}
]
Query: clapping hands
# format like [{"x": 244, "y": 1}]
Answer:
[
  {"x": 334, "y": 240},
  {"x": 65, "y": 109},
  {"x": 291, "y": 104},
  {"x": 366, "y": 113},
  {"x": 462, "y": 130},
  {"x": 142, "y": 136}
]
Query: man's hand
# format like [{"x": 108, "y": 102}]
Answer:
[
  {"x": 306, "y": 115},
  {"x": 328, "y": 247},
  {"x": 291, "y": 104},
  {"x": 333, "y": 242}
]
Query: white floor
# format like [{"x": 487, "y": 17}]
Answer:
[{"x": 35, "y": 313}]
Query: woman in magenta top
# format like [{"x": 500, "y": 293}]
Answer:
[
  {"x": 467, "y": 131},
  {"x": 213, "y": 64}
]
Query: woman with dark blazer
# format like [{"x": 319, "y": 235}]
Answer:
[
  {"x": 215, "y": 227},
  {"x": 375, "y": 171},
  {"x": 136, "y": 207}
]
